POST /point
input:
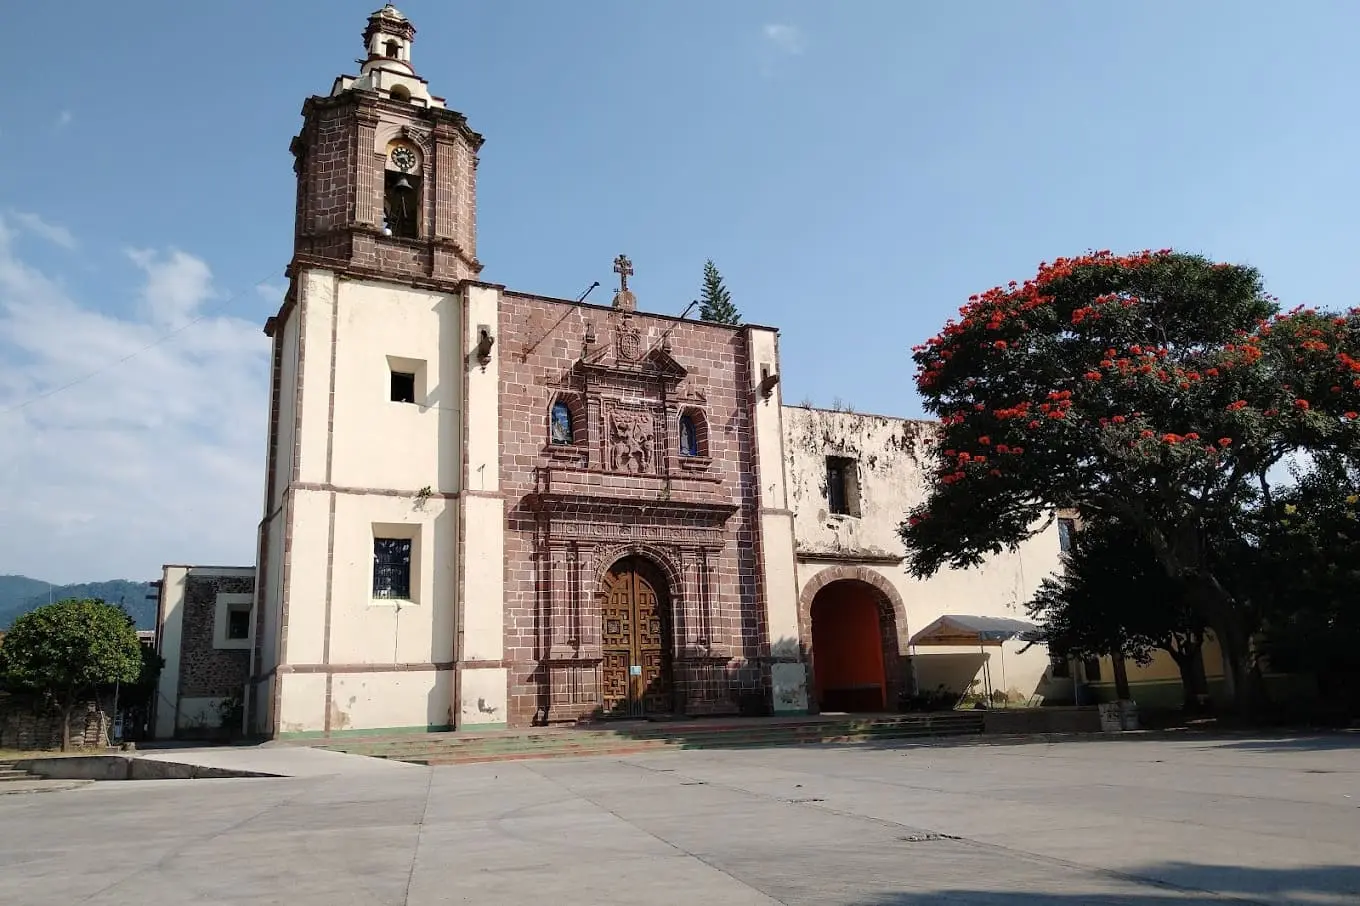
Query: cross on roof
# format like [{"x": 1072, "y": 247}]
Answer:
[{"x": 624, "y": 268}]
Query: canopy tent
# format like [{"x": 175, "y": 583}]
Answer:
[{"x": 958, "y": 630}]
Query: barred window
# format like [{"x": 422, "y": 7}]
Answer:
[{"x": 392, "y": 568}]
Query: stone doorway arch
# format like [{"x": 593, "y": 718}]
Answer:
[
  {"x": 636, "y": 639},
  {"x": 851, "y": 619}
]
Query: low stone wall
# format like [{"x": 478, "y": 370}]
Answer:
[
  {"x": 26, "y": 728},
  {"x": 124, "y": 767},
  {"x": 1026, "y": 721}
]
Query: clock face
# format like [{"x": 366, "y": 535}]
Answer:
[{"x": 404, "y": 159}]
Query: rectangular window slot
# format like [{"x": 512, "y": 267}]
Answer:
[
  {"x": 238, "y": 623},
  {"x": 403, "y": 387},
  {"x": 392, "y": 568},
  {"x": 842, "y": 486}
]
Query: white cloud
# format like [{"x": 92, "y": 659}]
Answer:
[
  {"x": 32, "y": 223},
  {"x": 155, "y": 459},
  {"x": 64, "y": 118},
  {"x": 785, "y": 38},
  {"x": 177, "y": 284}
]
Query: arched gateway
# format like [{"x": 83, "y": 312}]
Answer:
[{"x": 636, "y": 640}]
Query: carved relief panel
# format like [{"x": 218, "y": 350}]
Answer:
[{"x": 630, "y": 439}]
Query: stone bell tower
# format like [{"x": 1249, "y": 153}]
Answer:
[
  {"x": 386, "y": 173},
  {"x": 382, "y": 364}
]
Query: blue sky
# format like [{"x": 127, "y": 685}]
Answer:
[{"x": 855, "y": 169}]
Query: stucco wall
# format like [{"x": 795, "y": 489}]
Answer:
[
  {"x": 888, "y": 453},
  {"x": 366, "y": 466}
]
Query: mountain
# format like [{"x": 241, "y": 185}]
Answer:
[{"x": 20, "y": 594}]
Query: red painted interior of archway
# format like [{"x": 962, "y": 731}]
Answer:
[{"x": 847, "y": 648}]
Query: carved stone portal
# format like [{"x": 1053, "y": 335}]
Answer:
[{"x": 632, "y": 434}]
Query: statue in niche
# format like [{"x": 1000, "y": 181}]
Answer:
[{"x": 631, "y": 437}]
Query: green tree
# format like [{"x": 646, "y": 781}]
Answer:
[
  {"x": 716, "y": 302},
  {"x": 1158, "y": 389},
  {"x": 1114, "y": 599},
  {"x": 1302, "y": 566},
  {"x": 68, "y": 649}
]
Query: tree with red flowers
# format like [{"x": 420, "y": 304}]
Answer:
[{"x": 1157, "y": 389}]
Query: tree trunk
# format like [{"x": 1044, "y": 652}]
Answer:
[
  {"x": 66, "y": 710},
  {"x": 1185, "y": 663},
  {"x": 1234, "y": 638},
  {"x": 1121, "y": 678}
]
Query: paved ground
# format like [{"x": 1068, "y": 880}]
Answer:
[{"x": 1129, "y": 822}]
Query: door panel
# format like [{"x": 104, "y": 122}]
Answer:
[{"x": 636, "y": 666}]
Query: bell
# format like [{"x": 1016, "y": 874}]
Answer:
[{"x": 402, "y": 185}]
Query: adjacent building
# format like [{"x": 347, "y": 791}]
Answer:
[{"x": 491, "y": 508}]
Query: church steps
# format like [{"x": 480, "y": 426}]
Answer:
[{"x": 455, "y": 748}]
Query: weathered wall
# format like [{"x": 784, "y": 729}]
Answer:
[{"x": 888, "y": 453}]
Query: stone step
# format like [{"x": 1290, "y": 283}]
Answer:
[
  {"x": 8, "y": 774},
  {"x": 754, "y": 733},
  {"x": 563, "y": 743}
]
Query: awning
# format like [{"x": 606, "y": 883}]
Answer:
[{"x": 958, "y": 629}]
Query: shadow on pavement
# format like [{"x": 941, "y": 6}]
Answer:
[{"x": 1170, "y": 883}]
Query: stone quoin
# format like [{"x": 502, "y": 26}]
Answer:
[{"x": 489, "y": 508}]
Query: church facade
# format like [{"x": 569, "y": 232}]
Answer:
[{"x": 486, "y": 508}]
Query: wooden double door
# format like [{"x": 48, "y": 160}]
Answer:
[{"x": 636, "y": 641}]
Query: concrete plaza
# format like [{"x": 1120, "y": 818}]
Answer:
[{"x": 1127, "y": 821}]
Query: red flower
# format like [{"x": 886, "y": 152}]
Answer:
[
  {"x": 914, "y": 521},
  {"x": 1092, "y": 375},
  {"x": 1240, "y": 404},
  {"x": 1146, "y": 433},
  {"x": 1336, "y": 389},
  {"x": 1171, "y": 438},
  {"x": 1301, "y": 404},
  {"x": 1000, "y": 344},
  {"x": 1119, "y": 419},
  {"x": 1017, "y": 450},
  {"x": 985, "y": 440},
  {"x": 1002, "y": 448},
  {"x": 996, "y": 473},
  {"x": 1192, "y": 436},
  {"x": 1034, "y": 424},
  {"x": 964, "y": 457},
  {"x": 1353, "y": 415},
  {"x": 1225, "y": 441}
]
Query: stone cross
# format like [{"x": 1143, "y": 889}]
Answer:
[{"x": 624, "y": 268}]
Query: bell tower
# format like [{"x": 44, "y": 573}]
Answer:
[{"x": 386, "y": 173}]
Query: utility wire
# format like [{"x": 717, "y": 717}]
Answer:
[{"x": 217, "y": 309}]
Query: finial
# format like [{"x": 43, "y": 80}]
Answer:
[{"x": 624, "y": 300}]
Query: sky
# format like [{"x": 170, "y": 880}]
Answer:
[{"x": 855, "y": 169}]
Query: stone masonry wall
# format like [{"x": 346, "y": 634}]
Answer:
[
  {"x": 718, "y": 626},
  {"x": 27, "y": 729},
  {"x": 206, "y": 671}
]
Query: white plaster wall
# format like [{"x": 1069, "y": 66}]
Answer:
[
  {"x": 378, "y": 443},
  {"x": 483, "y": 392},
  {"x": 302, "y": 702},
  {"x": 776, "y": 525},
  {"x": 889, "y": 453},
  {"x": 484, "y": 695},
  {"x": 484, "y": 585},
  {"x": 200, "y": 713},
  {"x": 310, "y": 518},
  {"x": 316, "y": 309},
  {"x": 404, "y": 700},
  {"x": 287, "y": 422},
  {"x": 369, "y": 631},
  {"x": 171, "y": 638}
]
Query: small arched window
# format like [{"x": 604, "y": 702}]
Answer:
[
  {"x": 560, "y": 427},
  {"x": 689, "y": 436}
]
